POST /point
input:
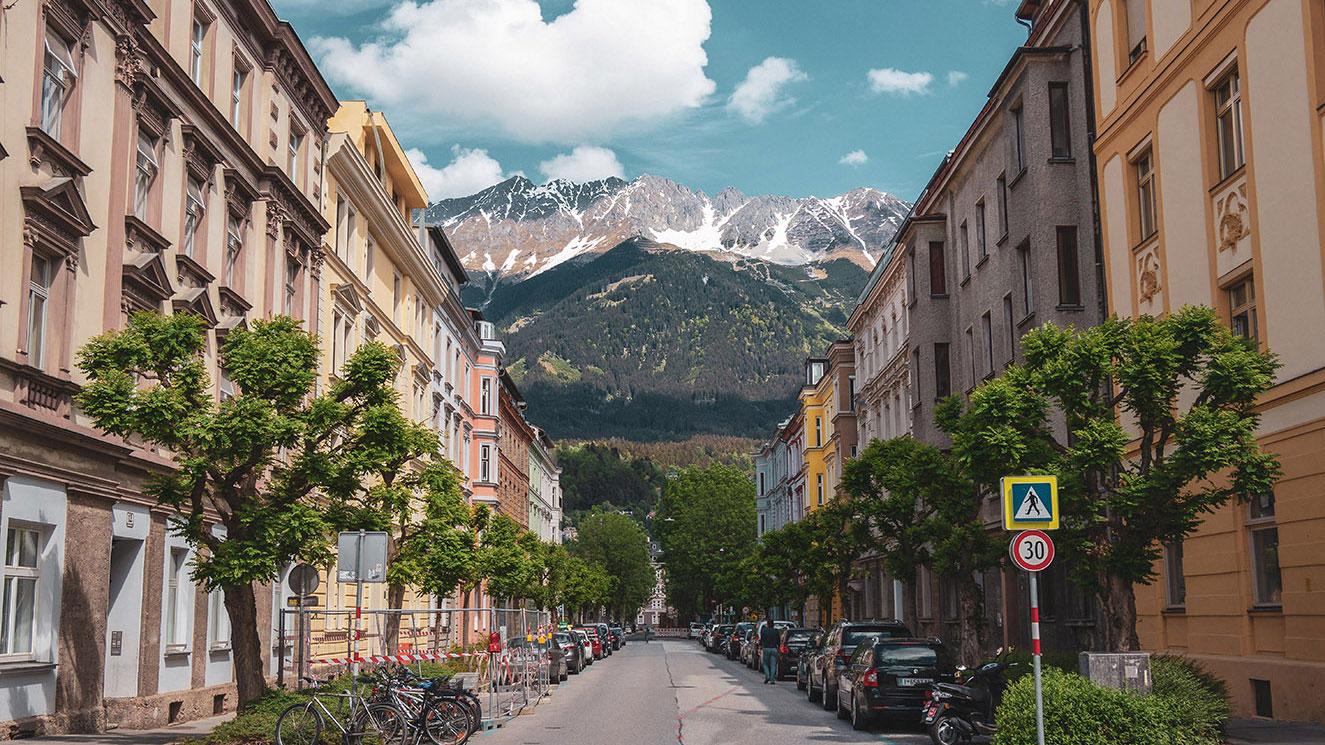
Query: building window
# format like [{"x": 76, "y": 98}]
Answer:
[
  {"x": 198, "y": 49},
  {"x": 938, "y": 276},
  {"x": 1145, "y": 193},
  {"x": 40, "y": 279},
  {"x": 1019, "y": 138},
  {"x": 218, "y": 621},
  {"x": 291, "y": 285},
  {"x": 970, "y": 358},
  {"x": 1003, "y": 205},
  {"x": 18, "y": 590},
  {"x": 145, "y": 172},
  {"x": 1264, "y": 542},
  {"x": 1177, "y": 580},
  {"x": 295, "y": 145},
  {"x": 1012, "y": 327},
  {"x": 369, "y": 257},
  {"x": 942, "y": 372},
  {"x": 1228, "y": 124},
  {"x": 911, "y": 273},
  {"x": 485, "y": 463},
  {"x": 177, "y": 615},
  {"x": 234, "y": 246},
  {"x": 819, "y": 487},
  {"x": 340, "y": 346},
  {"x": 57, "y": 82},
  {"x": 1242, "y": 308},
  {"x": 224, "y": 385},
  {"x": 193, "y": 209},
  {"x": 818, "y": 431},
  {"x": 981, "y": 235},
  {"x": 397, "y": 296},
  {"x": 987, "y": 335},
  {"x": 1060, "y": 121},
  {"x": 1069, "y": 274},
  {"x": 966, "y": 251},
  {"x": 1027, "y": 294},
  {"x": 485, "y": 395},
  {"x": 237, "y": 82},
  {"x": 1136, "y": 29}
]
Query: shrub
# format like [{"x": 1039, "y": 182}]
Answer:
[
  {"x": 1078, "y": 712},
  {"x": 1204, "y": 696}
]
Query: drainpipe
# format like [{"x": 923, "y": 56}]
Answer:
[{"x": 1089, "y": 67}]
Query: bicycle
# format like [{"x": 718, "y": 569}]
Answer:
[
  {"x": 433, "y": 706},
  {"x": 365, "y": 722}
]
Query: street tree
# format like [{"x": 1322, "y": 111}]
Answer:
[
  {"x": 705, "y": 524},
  {"x": 618, "y": 543},
  {"x": 251, "y": 463},
  {"x": 1158, "y": 429}
]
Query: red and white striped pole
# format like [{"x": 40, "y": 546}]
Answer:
[{"x": 1035, "y": 657}]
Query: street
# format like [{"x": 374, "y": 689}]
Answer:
[{"x": 674, "y": 691}]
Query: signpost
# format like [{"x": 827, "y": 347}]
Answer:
[
  {"x": 303, "y": 581},
  {"x": 361, "y": 557},
  {"x": 1030, "y": 505}
]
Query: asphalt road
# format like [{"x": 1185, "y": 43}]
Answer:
[{"x": 668, "y": 692}]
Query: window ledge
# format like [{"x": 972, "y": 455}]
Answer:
[
  {"x": 177, "y": 650},
  {"x": 1175, "y": 610},
  {"x": 965, "y": 281},
  {"x": 24, "y": 667},
  {"x": 1026, "y": 319},
  {"x": 219, "y": 647},
  {"x": 1069, "y": 160},
  {"x": 1070, "y": 307},
  {"x": 984, "y": 259},
  {"x": 1002, "y": 239},
  {"x": 1221, "y": 183},
  {"x": 1017, "y": 178},
  {"x": 1266, "y": 609},
  {"x": 1134, "y": 64},
  {"x": 938, "y": 296}
]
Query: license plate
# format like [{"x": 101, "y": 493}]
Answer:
[{"x": 914, "y": 681}]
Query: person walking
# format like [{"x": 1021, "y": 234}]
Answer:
[{"x": 768, "y": 646}]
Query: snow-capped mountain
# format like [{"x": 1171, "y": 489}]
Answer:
[{"x": 518, "y": 228}]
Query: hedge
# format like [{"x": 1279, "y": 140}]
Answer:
[{"x": 1183, "y": 710}]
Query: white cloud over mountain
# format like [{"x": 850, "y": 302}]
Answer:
[
  {"x": 762, "y": 91},
  {"x": 892, "y": 80},
  {"x": 604, "y": 66},
  {"x": 584, "y": 163},
  {"x": 468, "y": 172}
]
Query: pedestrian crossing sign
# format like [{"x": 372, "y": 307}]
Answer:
[{"x": 1030, "y": 502}]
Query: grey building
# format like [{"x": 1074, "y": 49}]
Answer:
[{"x": 1003, "y": 240}]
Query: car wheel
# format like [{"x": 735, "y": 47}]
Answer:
[
  {"x": 810, "y": 692},
  {"x": 800, "y": 682},
  {"x": 829, "y": 698},
  {"x": 842, "y": 712},
  {"x": 859, "y": 719}
]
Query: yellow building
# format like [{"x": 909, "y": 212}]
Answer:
[
  {"x": 815, "y": 400},
  {"x": 377, "y": 284},
  {"x": 1211, "y": 154}
]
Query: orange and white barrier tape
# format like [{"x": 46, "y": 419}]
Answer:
[{"x": 417, "y": 656}]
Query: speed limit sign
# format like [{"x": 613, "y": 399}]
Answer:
[{"x": 1032, "y": 550}]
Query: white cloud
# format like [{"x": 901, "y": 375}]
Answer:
[
  {"x": 604, "y": 66},
  {"x": 854, "y": 158},
  {"x": 584, "y": 163},
  {"x": 956, "y": 78},
  {"x": 468, "y": 172},
  {"x": 761, "y": 93},
  {"x": 892, "y": 80}
]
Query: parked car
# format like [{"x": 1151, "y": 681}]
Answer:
[
  {"x": 838, "y": 645},
  {"x": 791, "y": 643},
  {"x": 592, "y": 633},
  {"x": 572, "y": 650},
  {"x": 891, "y": 676},
  {"x": 605, "y": 634},
  {"x": 695, "y": 630},
  {"x": 733, "y": 646},
  {"x": 805, "y": 661},
  {"x": 718, "y": 637},
  {"x": 618, "y": 637},
  {"x": 750, "y": 649},
  {"x": 586, "y": 646},
  {"x": 558, "y": 663}
]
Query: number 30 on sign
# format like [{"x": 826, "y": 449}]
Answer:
[{"x": 1032, "y": 550}]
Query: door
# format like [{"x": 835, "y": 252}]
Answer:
[{"x": 124, "y": 617}]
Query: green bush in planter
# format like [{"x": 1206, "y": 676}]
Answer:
[{"x": 1078, "y": 712}]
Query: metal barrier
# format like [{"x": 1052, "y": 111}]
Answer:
[{"x": 318, "y": 641}]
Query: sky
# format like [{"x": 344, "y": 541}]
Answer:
[{"x": 794, "y": 97}]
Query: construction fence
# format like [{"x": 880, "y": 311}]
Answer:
[{"x": 501, "y": 654}]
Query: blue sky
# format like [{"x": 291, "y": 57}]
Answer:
[{"x": 769, "y": 96}]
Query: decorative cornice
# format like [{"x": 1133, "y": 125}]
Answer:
[
  {"x": 55, "y": 216},
  {"x": 239, "y": 193},
  {"x": 190, "y": 273},
  {"x": 308, "y": 224},
  {"x": 139, "y": 236},
  {"x": 42, "y": 148},
  {"x": 276, "y": 217},
  {"x": 200, "y": 155}
]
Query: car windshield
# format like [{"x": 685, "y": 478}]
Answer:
[
  {"x": 906, "y": 655},
  {"x": 799, "y": 636},
  {"x": 854, "y": 636},
  {"x": 743, "y": 626}
]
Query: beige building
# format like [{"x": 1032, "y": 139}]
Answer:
[{"x": 1211, "y": 152}]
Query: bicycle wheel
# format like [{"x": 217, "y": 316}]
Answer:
[
  {"x": 300, "y": 724},
  {"x": 474, "y": 708},
  {"x": 380, "y": 723},
  {"x": 446, "y": 722}
]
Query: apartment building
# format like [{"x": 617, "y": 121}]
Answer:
[
  {"x": 158, "y": 156},
  {"x": 515, "y": 437},
  {"x": 484, "y": 382},
  {"x": 1211, "y": 152},
  {"x": 544, "y": 489},
  {"x": 878, "y": 328},
  {"x": 455, "y": 349}
]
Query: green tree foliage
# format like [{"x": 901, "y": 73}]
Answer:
[
  {"x": 619, "y": 545},
  {"x": 505, "y": 561},
  {"x": 1157, "y": 430},
  {"x": 252, "y": 462},
  {"x": 594, "y": 474},
  {"x": 705, "y": 525}
]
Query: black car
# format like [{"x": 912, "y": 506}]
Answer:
[
  {"x": 837, "y": 647},
  {"x": 891, "y": 677},
  {"x": 718, "y": 639},
  {"x": 618, "y": 637},
  {"x": 732, "y": 647},
  {"x": 790, "y": 645},
  {"x": 805, "y": 661},
  {"x": 573, "y": 651}
]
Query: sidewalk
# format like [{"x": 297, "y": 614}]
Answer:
[
  {"x": 1273, "y": 732},
  {"x": 164, "y": 736}
]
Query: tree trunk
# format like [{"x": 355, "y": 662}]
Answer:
[
  {"x": 241, "y": 606},
  {"x": 395, "y": 600},
  {"x": 1117, "y": 626},
  {"x": 972, "y": 619}
]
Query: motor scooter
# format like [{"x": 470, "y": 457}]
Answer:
[{"x": 957, "y": 712}]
